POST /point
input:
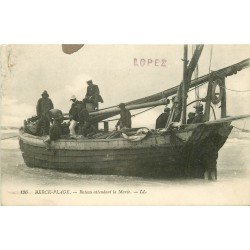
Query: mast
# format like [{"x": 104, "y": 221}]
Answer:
[
  {"x": 180, "y": 102},
  {"x": 184, "y": 85}
]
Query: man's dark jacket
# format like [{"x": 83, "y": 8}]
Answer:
[
  {"x": 73, "y": 111},
  {"x": 199, "y": 118},
  {"x": 161, "y": 121},
  {"x": 93, "y": 94},
  {"x": 83, "y": 116},
  {"x": 125, "y": 119},
  {"x": 44, "y": 105}
]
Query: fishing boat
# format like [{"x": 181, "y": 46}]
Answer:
[{"x": 179, "y": 149}]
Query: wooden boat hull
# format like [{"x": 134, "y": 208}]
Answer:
[{"x": 176, "y": 153}]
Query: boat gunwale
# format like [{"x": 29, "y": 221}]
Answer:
[{"x": 184, "y": 129}]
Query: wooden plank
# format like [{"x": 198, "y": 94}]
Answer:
[
  {"x": 142, "y": 166},
  {"x": 93, "y": 153},
  {"x": 99, "y": 144},
  {"x": 99, "y": 159}
]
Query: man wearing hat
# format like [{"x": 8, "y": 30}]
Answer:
[
  {"x": 73, "y": 115},
  {"x": 44, "y": 105},
  {"x": 161, "y": 121},
  {"x": 125, "y": 119},
  {"x": 199, "y": 116},
  {"x": 93, "y": 94}
]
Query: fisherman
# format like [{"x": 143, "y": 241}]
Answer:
[
  {"x": 93, "y": 94},
  {"x": 161, "y": 121},
  {"x": 73, "y": 116},
  {"x": 191, "y": 116},
  {"x": 178, "y": 108},
  {"x": 125, "y": 119},
  {"x": 199, "y": 116},
  {"x": 55, "y": 131},
  {"x": 83, "y": 119},
  {"x": 44, "y": 105}
]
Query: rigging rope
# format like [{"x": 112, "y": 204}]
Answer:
[
  {"x": 235, "y": 90},
  {"x": 242, "y": 129},
  {"x": 197, "y": 92},
  {"x": 132, "y": 115},
  {"x": 211, "y": 56}
]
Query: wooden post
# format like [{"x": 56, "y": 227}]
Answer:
[
  {"x": 106, "y": 126},
  {"x": 184, "y": 86},
  {"x": 208, "y": 101},
  {"x": 223, "y": 100}
]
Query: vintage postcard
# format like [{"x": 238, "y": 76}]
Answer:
[{"x": 86, "y": 124}]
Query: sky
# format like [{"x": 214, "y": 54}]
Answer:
[{"x": 28, "y": 70}]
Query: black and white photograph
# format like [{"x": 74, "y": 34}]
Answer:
[{"x": 85, "y": 124}]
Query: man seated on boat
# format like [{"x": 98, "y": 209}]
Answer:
[
  {"x": 199, "y": 116},
  {"x": 161, "y": 121},
  {"x": 93, "y": 94},
  {"x": 55, "y": 131},
  {"x": 191, "y": 116},
  {"x": 73, "y": 116},
  {"x": 44, "y": 105},
  {"x": 125, "y": 117}
]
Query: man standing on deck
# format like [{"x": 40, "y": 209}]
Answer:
[
  {"x": 199, "y": 116},
  {"x": 161, "y": 121},
  {"x": 44, "y": 105},
  {"x": 125, "y": 119},
  {"x": 93, "y": 94},
  {"x": 191, "y": 116},
  {"x": 73, "y": 116}
]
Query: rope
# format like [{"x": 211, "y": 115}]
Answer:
[
  {"x": 143, "y": 111},
  {"x": 235, "y": 90},
  {"x": 210, "y": 62},
  {"x": 241, "y": 129},
  {"x": 132, "y": 115},
  {"x": 191, "y": 89},
  {"x": 197, "y": 92},
  {"x": 210, "y": 106}
]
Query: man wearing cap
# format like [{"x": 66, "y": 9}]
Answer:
[
  {"x": 199, "y": 116},
  {"x": 44, "y": 105},
  {"x": 73, "y": 115},
  {"x": 93, "y": 94},
  {"x": 125, "y": 119},
  {"x": 161, "y": 121}
]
